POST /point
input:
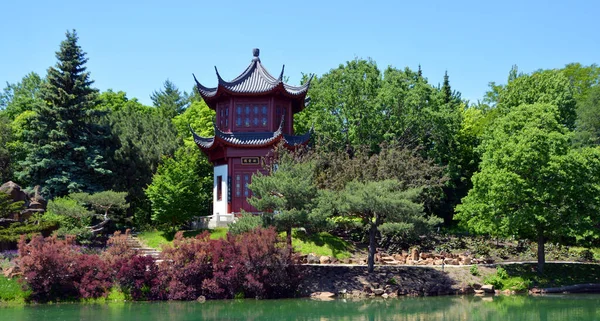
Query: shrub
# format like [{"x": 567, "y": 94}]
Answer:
[
  {"x": 56, "y": 269},
  {"x": 138, "y": 278},
  {"x": 245, "y": 223},
  {"x": 117, "y": 251},
  {"x": 185, "y": 267},
  {"x": 93, "y": 277},
  {"x": 252, "y": 264},
  {"x": 474, "y": 270}
]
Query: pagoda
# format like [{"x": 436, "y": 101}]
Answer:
[{"x": 254, "y": 112}]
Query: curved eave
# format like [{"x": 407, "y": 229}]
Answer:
[
  {"x": 204, "y": 143},
  {"x": 294, "y": 141}
]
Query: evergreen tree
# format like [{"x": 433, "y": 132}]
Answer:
[
  {"x": 446, "y": 89},
  {"x": 64, "y": 138},
  {"x": 169, "y": 100}
]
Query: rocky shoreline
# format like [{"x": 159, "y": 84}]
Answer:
[{"x": 353, "y": 281}]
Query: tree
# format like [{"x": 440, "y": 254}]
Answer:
[
  {"x": 5, "y": 155},
  {"x": 543, "y": 86},
  {"x": 65, "y": 140},
  {"x": 378, "y": 202},
  {"x": 141, "y": 138},
  {"x": 588, "y": 119},
  {"x": 288, "y": 191},
  {"x": 22, "y": 96},
  {"x": 169, "y": 100},
  {"x": 109, "y": 203},
  {"x": 530, "y": 183},
  {"x": 181, "y": 189}
]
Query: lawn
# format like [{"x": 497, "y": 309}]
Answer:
[
  {"x": 155, "y": 239},
  {"x": 319, "y": 243}
]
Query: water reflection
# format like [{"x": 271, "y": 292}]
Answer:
[{"x": 561, "y": 307}]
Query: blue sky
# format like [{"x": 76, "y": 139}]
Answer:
[{"x": 134, "y": 46}]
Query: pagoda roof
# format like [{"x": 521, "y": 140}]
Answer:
[
  {"x": 255, "y": 80},
  {"x": 249, "y": 139}
]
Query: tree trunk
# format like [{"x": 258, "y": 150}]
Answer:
[
  {"x": 372, "y": 246},
  {"x": 541, "y": 254},
  {"x": 288, "y": 234}
]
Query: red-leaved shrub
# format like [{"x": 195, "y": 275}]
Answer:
[
  {"x": 56, "y": 269},
  {"x": 138, "y": 278},
  {"x": 253, "y": 264},
  {"x": 185, "y": 267},
  {"x": 117, "y": 251}
]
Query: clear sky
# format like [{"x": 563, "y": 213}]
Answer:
[{"x": 134, "y": 46}]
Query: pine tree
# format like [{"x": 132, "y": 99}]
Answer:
[
  {"x": 446, "y": 89},
  {"x": 64, "y": 139},
  {"x": 169, "y": 101}
]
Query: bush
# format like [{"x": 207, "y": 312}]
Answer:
[
  {"x": 245, "y": 223},
  {"x": 138, "y": 278},
  {"x": 117, "y": 251},
  {"x": 56, "y": 269},
  {"x": 186, "y": 265},
  {"x": 474, "y": 270},
  {"x": 252, "y": 264}
]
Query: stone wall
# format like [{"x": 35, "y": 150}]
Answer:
[{"x": 387, "y": 281}]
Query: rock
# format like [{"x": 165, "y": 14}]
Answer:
[
  {"x": 438, "y": 262},
  {"x": 11, "y": 272},
  {"x": 342, "y": 291},
  {"x": 385, "y": 295},
  {"x": 312, "y": 259},
  {"x": 479, "y": 292},
  {"x": 322, "y": 295},
  {"x": 324, "y": 259},
  {"x": 487, "y": 288},
  {"x": 201, "y": 299},
  {"x": 378, "y": 291},
  {"x": 398, "y": 257},
  {"x": 466, "y": 260},
  {"x": 414, "y": 255}
]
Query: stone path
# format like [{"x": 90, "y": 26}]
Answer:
[{"x": 134, "y": 243}]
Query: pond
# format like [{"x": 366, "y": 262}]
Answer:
[{"x": 549, "y": 307}]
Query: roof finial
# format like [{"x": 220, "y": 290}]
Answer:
[{"x": 255, "y": 53}]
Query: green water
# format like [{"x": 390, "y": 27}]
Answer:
[{"x": 551, "y": 307}]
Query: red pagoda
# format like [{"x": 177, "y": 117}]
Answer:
[{"x": 254, "y": 112}]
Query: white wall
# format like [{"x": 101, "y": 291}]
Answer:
[{"x": 220, "y": 207}]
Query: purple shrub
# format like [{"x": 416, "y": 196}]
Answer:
[{"x": 139, "y": 279}]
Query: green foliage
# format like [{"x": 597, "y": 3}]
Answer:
[
  {"x": 545, "y": 87},
  {"x": 474, "y": 270},
  {"x": 181, "y": 189},
  {"x": 531, "y": 184},
  {"x": 289, "y": 192},
  {"x": 245, "y": 223},
  {"x": 72, "y": 217},
  {"x": 22, "y": 96},
  {"x": 169, "y": 101},
  {"x": 379, "y": 202},
  {"x": 11, "y": 290},
  {"x": 10, "y": 235},
  {"x": 199, "y": 117},
  {"x": 142, "y": 137},
  {"x": 588, "y": 119},
  {"x": 6, "y": 159},
  {"x": 8, "y": 207},
  {"x": 65, "y": 141}
]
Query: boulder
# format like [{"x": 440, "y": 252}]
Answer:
[
  {"x": 438, "y": 262},
  {"x": 322, "y": 295},
  {"x": 324, "y": 259},
  {"x": 414, "y": 255},
  {"x": 488, "y": 288},
  {"x": 312, "y": 259},
  {"x": 378, "y": 291}
]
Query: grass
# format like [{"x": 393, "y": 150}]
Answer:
[
  {"x": 555, "y": 274},
  {"x": 11, "y": 290},
  {"x": 155, "y": 239},
  {"x": 318, "y": 244},
  {"x": 321, "y": 244}
]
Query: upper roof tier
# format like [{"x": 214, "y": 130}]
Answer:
[{"x": 254, "y": 81}]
